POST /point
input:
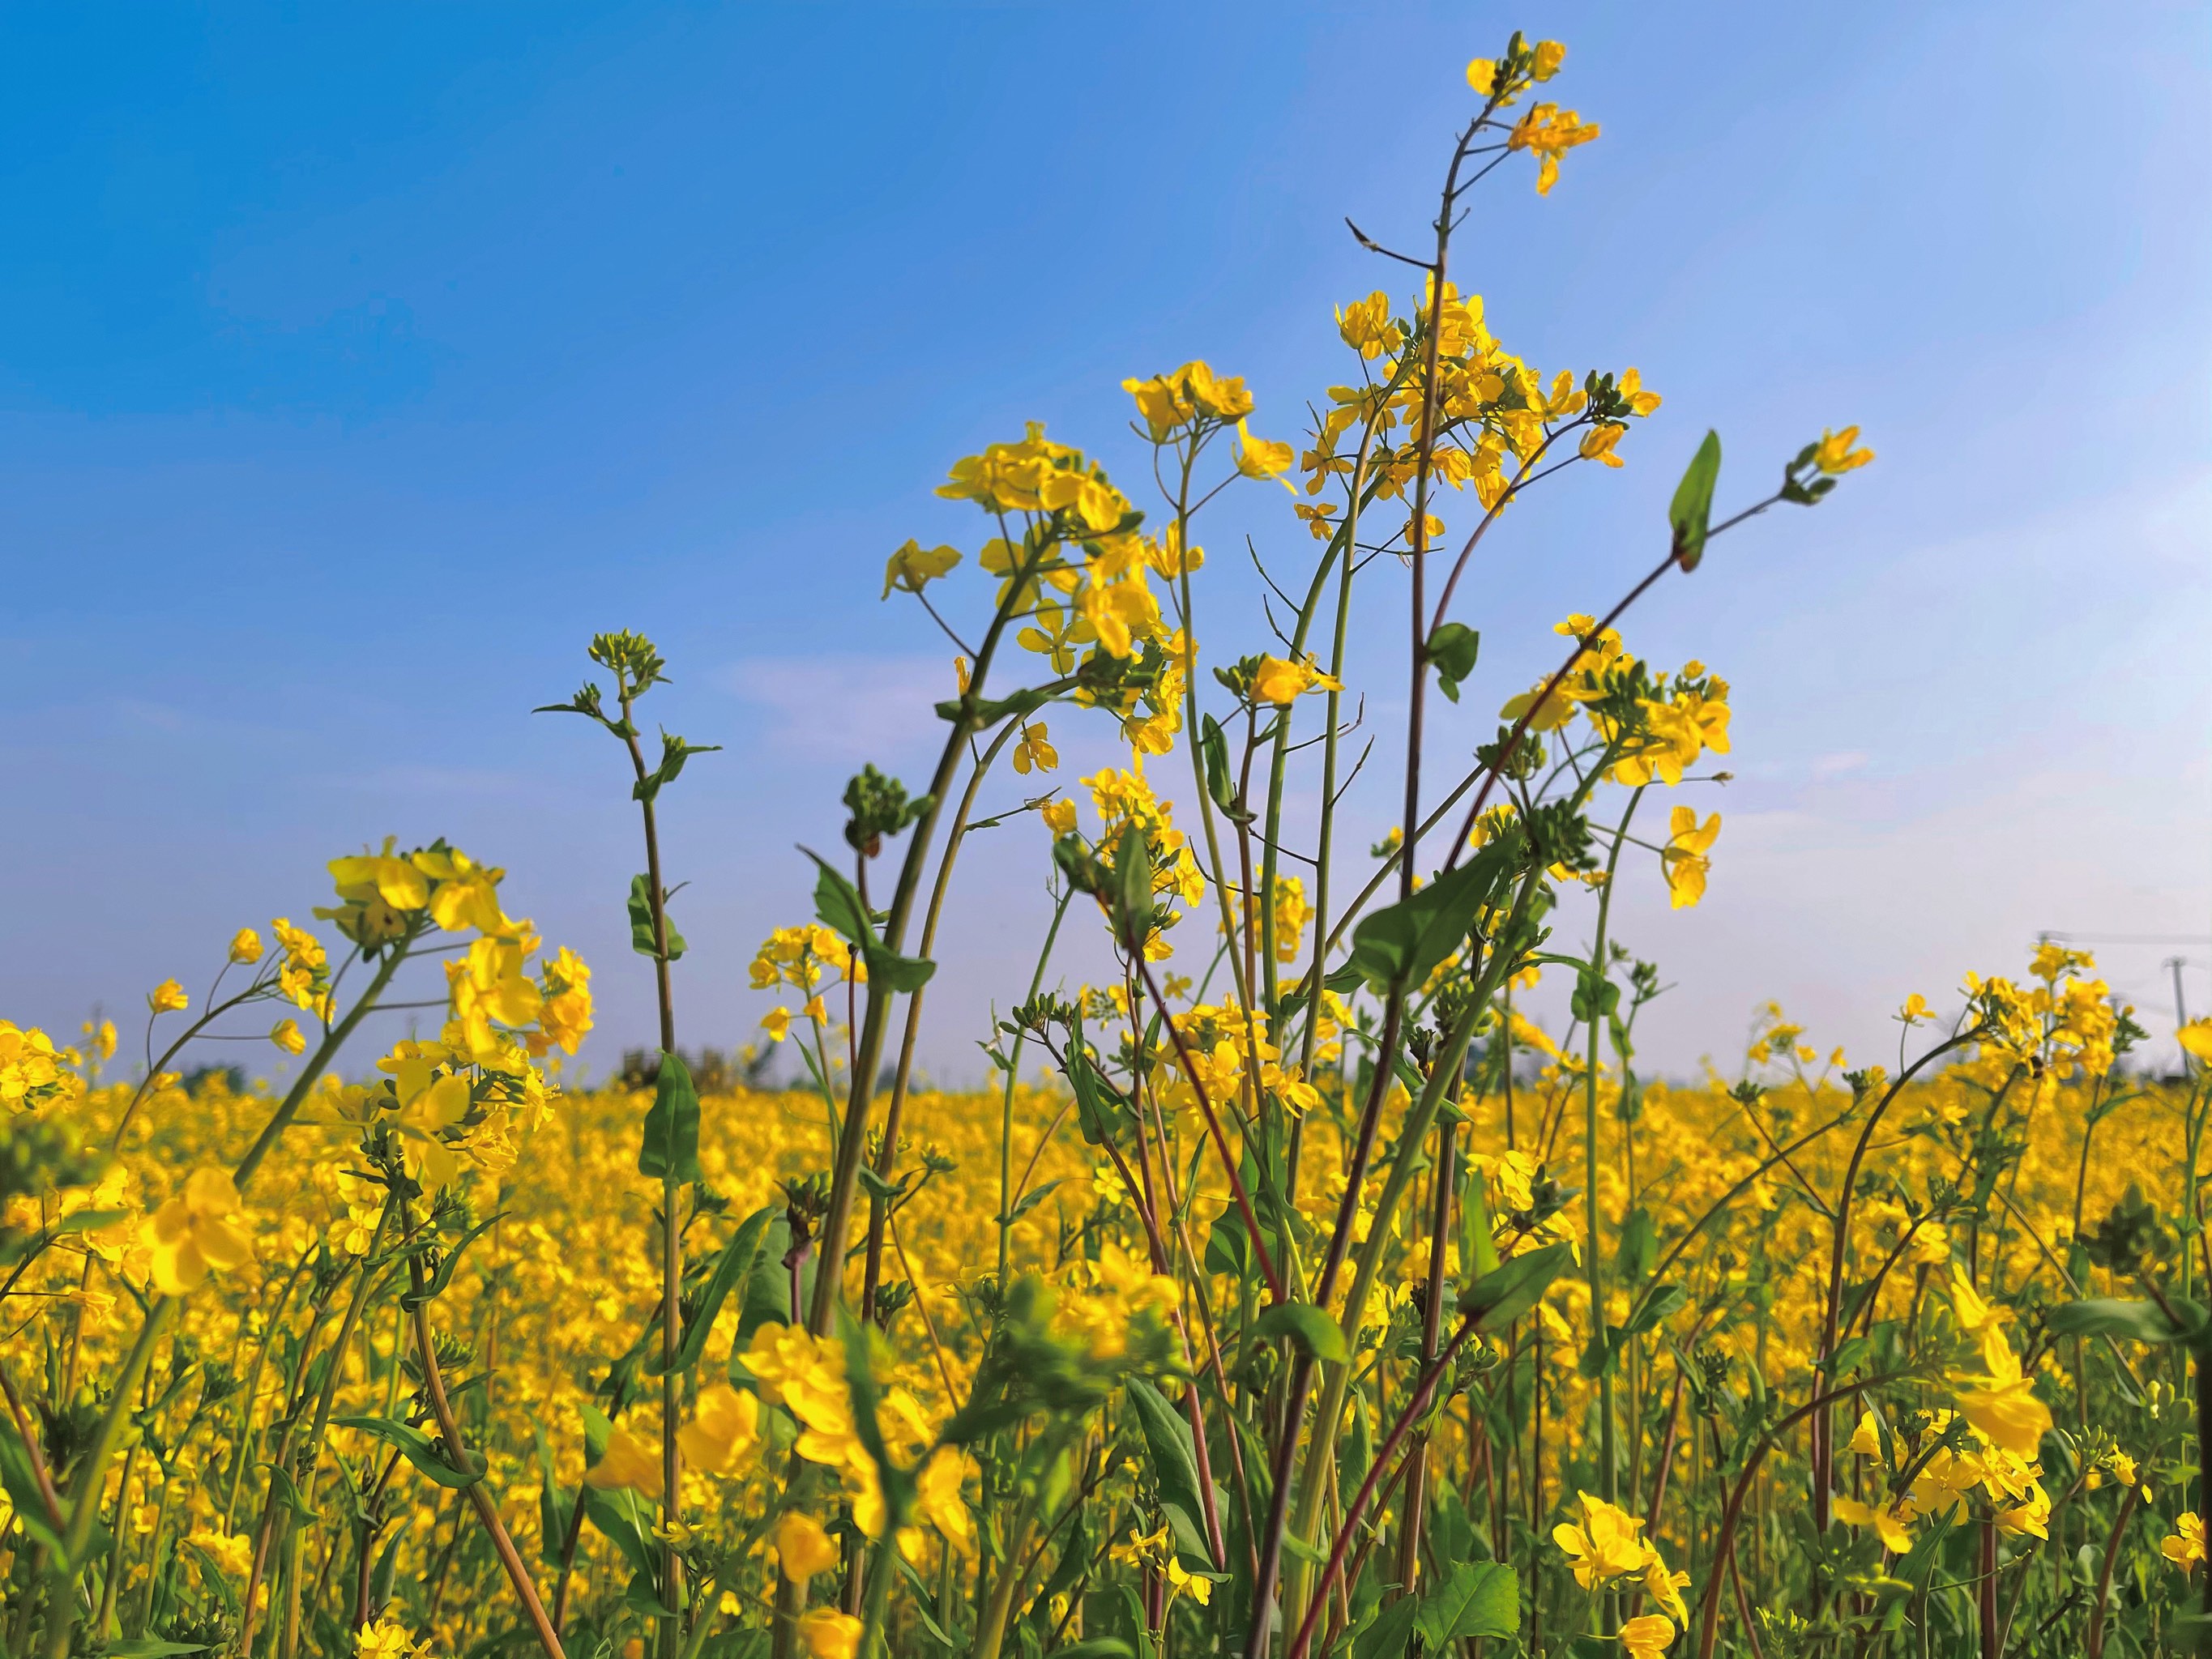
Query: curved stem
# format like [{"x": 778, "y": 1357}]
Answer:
[
  {"x": 449, "y": 1429},
  {"x": 894, "y": 1112}
]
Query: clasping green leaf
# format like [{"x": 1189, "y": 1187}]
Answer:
[{"x": 1692, "y": 510}]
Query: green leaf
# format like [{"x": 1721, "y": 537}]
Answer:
[
  {"x": 1175, "y": 1469},
  {"x": 1220, "y": 782},
  {"x": 1927, "y": 1549},
  {"x": 147, "y": 1648},
  {"x": 1452, "y": 648},
  {"x": 1592, "y": 991},
  {"x": 765, "y": 1299},
  {"x": 670, "y": 1148},
  {"x": 642, "y": 1597},
  {"x": 2138, "y": 1322},
  {"x": 1454, "y": 1535},
  {"x": 1386, "y": 1638},
  {"x": 448, "y": 1259},
  {"x": 674, "y": 751},
  {"x": 1657, "y": 1306},
  {"x": 1498, "y": 1298},
  {"x": 837, "y": 906},
  {"x": 1308, "y": 1327},
  {"x": 607, "y": 1514},
  {"x": 1228, "y": 1245},
  {"x": 1074, "y": 1564},
  {"x": 1640, "y": 1245},
  {"x": 989, "y": 712},
  {"x": 1399, "y": 946},
  {"x": 740, "y": 1259},
  {"x": 553, "y": 1504},
  {"x": 924, "y": 1592},
  {"x": 1133, "y": 887},
  {"x": 1098, "y": 1647},
  {"x": 1481, "y": 1598},
  {"x": 597, "y": 1430},
  {"x": 1298, "y": 1550},
  {"x": 1100, "y": 1111},
  {"x": 1692, "y": 510},
  {"x": 417, "y": 1449},
  {"x": 387, "y": 1564},
  {"x": 283, "y": 1489},
  {"x": 1031, "y": 1198},
  {"x": 1848, "y": 1356},
  {"x": 902, "y": 974},
  {"x": 22, "y": 1488},
  {"x": 641, "y": 923},
  {"x": 1476, "y": 1248}
]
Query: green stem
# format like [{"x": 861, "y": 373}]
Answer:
[
  {"x": 325, "y": 1052},
  {"x": 1593, "y": 1257},
  {"x": 85, "y": 1495},
  {"x": 1006, "y": 1101}
]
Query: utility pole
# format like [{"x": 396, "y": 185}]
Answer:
[{"x": 2180, "y": 1010}]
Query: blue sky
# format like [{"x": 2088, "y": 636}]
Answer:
[{"x": 355, "y": 367}]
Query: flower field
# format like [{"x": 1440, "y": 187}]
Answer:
[{"x": 1292, "y": 1292}]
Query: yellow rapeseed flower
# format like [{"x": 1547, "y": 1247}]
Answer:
[{"x": 197, "y": 1232}]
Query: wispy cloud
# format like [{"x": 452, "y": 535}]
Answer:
[
  {"x": 446, "y": 781},
  {"x": 845, "y": 706}
]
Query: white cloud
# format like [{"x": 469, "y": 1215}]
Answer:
[{"x": 846, "y": 707}]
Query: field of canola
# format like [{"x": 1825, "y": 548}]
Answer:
[{"x": 1292, "y": 1294}]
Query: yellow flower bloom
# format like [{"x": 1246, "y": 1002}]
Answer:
[
  {"x": 1033, "y": 750},
  {"x": 2007, "y": 1410},
  {"x": 197, "y": 1232},
  {"x": 726, "y": 1425},
  {"x": 1604, "y": 1546},
  {"x": 30, "y": 1066},
  {"x": 232, "y": 1553},
  {"x": 1551, "y": 132},
  {"x": 1280, "y": 682},
  {"x": 913, "y": 567},
  {"x": 1365, "y": 324},
  {"x": 1597, "y": 443},
  {"x": 384, "y": 1639},
  {"x": 942, "y": 1504},
  {"x": 1261, "y": 457},
  {"x": 1834, "y": 454},
  {"x": 1895, "y": 1537},
  {"x": 1646, "y": 1635},
  {"x": 169, "y": 997},
  {"x": 1058, "y": 815},
  {"x": 2184, "y": 1545},
  {"x": 1181, "y": 1582},
  {"x": 630, "y": 1460},
  {"x": 246, "y": 946},
  {"x": 802, "y": 1548},
  {"x": 826, "y": 1634},
  {"x": 1684, "y": 861}
]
